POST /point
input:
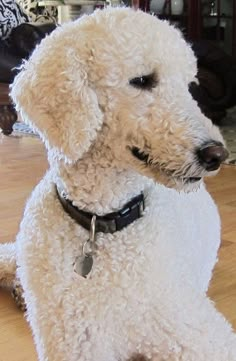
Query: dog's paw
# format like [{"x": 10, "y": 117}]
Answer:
[{"x": 17, "y": 294}]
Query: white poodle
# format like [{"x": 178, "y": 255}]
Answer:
[{"x": 115, "y": 266}]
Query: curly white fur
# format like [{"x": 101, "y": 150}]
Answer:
[{"x": 147, "y": 290}]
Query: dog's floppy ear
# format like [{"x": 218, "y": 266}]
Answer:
[{"x": 53, "y": 95}]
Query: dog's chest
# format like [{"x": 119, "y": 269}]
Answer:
[
  {"x": 167, "y": 242},
  {"x": 171, "y": 244}
]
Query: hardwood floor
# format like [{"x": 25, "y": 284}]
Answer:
[
  {"x": 223, "y": 286},
  {"x": 22, "y": 164}
]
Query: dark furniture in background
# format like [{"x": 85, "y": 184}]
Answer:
[
  {"x": 216, "y": 91},
  {"x": 13, "y": 50},
  {"x": 8, "y": 115},
  {"x": 202, "y": 19},
  {"x": 210, "y": 27}
]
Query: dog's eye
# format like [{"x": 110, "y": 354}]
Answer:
[{"x": 146, "y": 82}]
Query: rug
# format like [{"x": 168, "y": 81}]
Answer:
[
  {"x": 228, "y": 129},
  {"x": 21, "y": 129}
]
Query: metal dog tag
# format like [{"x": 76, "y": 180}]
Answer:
[{"x": 83, "y": 265}]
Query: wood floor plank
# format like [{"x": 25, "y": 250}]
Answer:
[
  {"x": 22, "y": 164},
  {"x": 223, "y": 285}
]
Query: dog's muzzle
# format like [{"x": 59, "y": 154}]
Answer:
[{"x": 209, "y": 156}]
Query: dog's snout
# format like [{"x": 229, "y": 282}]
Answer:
[{"x": 211, "y": 155}]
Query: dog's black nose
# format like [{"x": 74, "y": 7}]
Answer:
[{"x": 211, "y": 155}]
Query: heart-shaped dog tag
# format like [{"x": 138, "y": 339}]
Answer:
[{"x": 83, "y": 265}]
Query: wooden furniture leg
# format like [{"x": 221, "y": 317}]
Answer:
[{"x": 8, "y": 114}]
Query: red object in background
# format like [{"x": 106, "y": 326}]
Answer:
[
  {"x": 141, "y": 4},
  {"x": 135, "y": 4},
  {"x": 101, "y": 6}
]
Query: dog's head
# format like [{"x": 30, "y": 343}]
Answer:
[{"x": 121, "y": 76}]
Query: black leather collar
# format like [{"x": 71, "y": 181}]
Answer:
[{"x": 108, "y": 223}]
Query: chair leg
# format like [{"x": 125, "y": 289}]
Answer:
[{"x": 8, "y": 117}]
